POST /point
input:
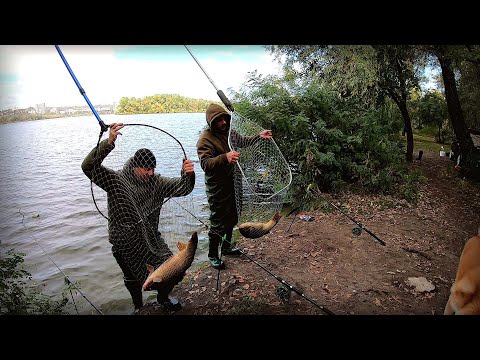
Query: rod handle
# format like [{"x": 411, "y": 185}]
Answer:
[
  {"x": 224, "y": 99},
  {"x": 103, "y": 126}
]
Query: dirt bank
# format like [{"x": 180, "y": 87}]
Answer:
[{"x": 342, "y": 273}]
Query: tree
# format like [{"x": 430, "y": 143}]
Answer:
[
  {"x": 432, "y": 109},
  {"x": 399, "y": 74},
  {"x": 446, "y": 56},
  {"x": 370, "y": 72},
  {"x": 469, "y": 86},
  {"x": 330, "y": 141}
]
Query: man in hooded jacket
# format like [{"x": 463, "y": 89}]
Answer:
[
  {"x": 135, "y": 197},
  {"x": 218, "y": 162}
]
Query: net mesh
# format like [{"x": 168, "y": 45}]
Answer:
[
  {"x": 262, "y": 177},
  {"x": 147, "y": 216}
]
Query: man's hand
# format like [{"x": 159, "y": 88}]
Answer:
[
  {"x": 114, "y": 131},
  {"x": 232, "y": 157},
  {"x": 187, "y": 167},
  {"x": 265, "y": 134}
]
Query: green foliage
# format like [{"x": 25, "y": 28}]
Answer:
[
  {"x": 165, "y": 103},
  {"x": 408, "y": 188},
  {"x": 328, "y": 140},
  {"x": 469, "y": 86},
  {"x": 430, "y": 116},
  {"x": 18, "y": 296}
]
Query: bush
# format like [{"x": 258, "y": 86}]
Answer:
[
  {"x": 18, "y": 296},
  {"x": 329, "y": 141}
]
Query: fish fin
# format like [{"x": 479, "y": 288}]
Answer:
[
  {"x": 194, "y": 237},
  {"x": 150, "y": 268},
  {"x": 157, "y": 279},
  {"x": 181, "y": 246},
  {"x": 147, "y": 284}
]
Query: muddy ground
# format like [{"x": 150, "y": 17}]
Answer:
[{"x": 333, "y": 271}]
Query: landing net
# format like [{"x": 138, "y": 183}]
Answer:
[
  {"x": 262, "y": 177},
  {"x": 144, "y": 213}
]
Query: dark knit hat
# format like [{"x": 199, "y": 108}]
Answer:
[{"x": 144, "y": 158}]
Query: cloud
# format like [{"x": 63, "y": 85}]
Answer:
[{"x": 31, "y": 75}]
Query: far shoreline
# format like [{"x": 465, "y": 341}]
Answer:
[{"x": 13, "y": 119}]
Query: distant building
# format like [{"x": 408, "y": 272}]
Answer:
[{"x": 40, "y": 108}]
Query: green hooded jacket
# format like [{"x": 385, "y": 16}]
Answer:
[{"x": 212, "y": 147}]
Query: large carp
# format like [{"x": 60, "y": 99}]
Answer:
[
  {"x": 253, "y": 230},
  {"x": 175, "y": 265}
]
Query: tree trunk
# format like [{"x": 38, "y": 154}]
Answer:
[
  {"x": 454, "y": 109},
  {"x": 407, "y": 123},
  {"x": 402, "y": 105}
]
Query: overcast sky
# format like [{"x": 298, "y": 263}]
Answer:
[{"x": 35, "y": 74}]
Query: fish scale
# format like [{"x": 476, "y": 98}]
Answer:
[
  {"x": 174, "y": 266},
  {"x": 254, "y": 230}
]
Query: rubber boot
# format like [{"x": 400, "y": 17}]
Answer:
[
  {"x": 134, "y": 287},
  {"x": 213, "y": 243},
  {"x": 169, "y": 303},
  {"x": 227, "y": 247}
]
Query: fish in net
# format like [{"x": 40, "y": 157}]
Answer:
[
  {"x": 147, "y": 215},
  {"x": 262, "y": 178}
]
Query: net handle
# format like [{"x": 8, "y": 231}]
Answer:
[
  {"x": 166, "y": 132},
  {"x": 156, "y": 128},
  {"x": 103, "y": 126}
]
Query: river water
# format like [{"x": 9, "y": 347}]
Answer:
[{"x": 47, "y": 209}]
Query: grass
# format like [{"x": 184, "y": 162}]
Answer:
[
  {"x": 248, "y": 306},
  {"x": 426, "y": 142},
  {"x": 422, "y": 140}
]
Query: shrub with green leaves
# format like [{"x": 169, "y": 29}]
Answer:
[
  {"x": 330, "y": 141},
  {"x": 18, "y": 296}
]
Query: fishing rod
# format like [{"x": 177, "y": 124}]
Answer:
[
  {"x": 357, "y": 230},
  {"x": 103, "y": 129},
  {"x": 173, "y": 193},
  {"x": 289, "y": 287},
  {"x": 103, "y": 126},
  {"x": 67, "y": 280},
  {"x": 297, "y": 209},
  {"x": 229, "y": 106},
  {"x": 220, "y": 93}
]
